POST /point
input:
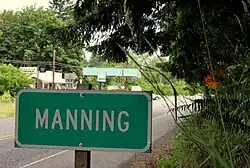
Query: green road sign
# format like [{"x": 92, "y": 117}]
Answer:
[
  {"x": 101, "y": 77},
  {"x": 84, "y": 120}
]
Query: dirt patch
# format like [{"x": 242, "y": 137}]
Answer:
[{"x": 161, "y": 148}]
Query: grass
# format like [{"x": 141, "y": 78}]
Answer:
[
  {"x": 203, "y": 144},
  {"x": 185, "y": 153},
  {"x": 7, "y": 110}
]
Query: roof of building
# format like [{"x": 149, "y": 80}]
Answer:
[{"x": 128, "y": 72}]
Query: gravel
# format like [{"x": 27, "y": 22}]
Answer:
[{"x": 161, "y": 148}]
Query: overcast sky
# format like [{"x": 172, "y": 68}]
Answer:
[{"x": 19, "y": 4}]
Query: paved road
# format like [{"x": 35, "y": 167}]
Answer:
[{"x": 11, "y": 157}]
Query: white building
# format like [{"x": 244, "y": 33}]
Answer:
[{"x": 45, "y": 80}]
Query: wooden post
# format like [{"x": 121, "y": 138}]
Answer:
[
  {"x": 83, "y": 158},
  {"x": 100, "y": 85}
]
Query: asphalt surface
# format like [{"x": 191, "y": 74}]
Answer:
[{"x": 11, "y": 157}]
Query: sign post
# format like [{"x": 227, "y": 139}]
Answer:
[
  {"x": 83, "y": 158},
  {"x": 101, "y": 77},
  {"x": 84, "y": 120}
]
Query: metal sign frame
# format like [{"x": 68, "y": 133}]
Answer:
[{"x": 81, "y": 93}]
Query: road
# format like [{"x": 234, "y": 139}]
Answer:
[{"x": 11, "y": 157}]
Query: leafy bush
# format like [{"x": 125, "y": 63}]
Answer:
[
  {"x": 12, "y": 78},
  {"x": 7, "y": 106},
  {"x": 203, "y": 143},
  {"x": 6, "y": 98},
  {"x": 180, "y": 85}
]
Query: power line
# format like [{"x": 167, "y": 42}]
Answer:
[{"x": 37, "y": 63}]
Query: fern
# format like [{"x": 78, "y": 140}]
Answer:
[
  {"x": 234, "y": 110},
  {"x": 235, "y": 114}
]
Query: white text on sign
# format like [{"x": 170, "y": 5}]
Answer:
[{"x": 108, "y": 119}]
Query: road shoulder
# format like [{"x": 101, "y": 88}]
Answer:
[{"x": 161, "y": 148}]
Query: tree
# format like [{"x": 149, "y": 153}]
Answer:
[
  {"x": 181, "y": 29},
  {"x": 94, "y": 61},
  {"x": 25, "y": 38},
  {"x": 106, "y": 18},
  {"x": 202, "y": 36},
  {"x": 63, "y": 8}
]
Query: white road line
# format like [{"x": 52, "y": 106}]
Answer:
[
  {"x": 6, "y": 137},
  {"x": 59, "y": 153},
  {"x": 158, "y": 117}
]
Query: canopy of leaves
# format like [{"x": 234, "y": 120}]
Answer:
[
  {"x": 104, "y": 23},
  {"x": 63, "y": 8},
  {"x": 24, "y": 38},
  {"x": 198, "y": 34},
  {"x": 183, "y": 30}
]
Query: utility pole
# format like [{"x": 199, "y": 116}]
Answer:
[
  {"x": 54, "y": 69},
  {"x": 37, "y": 78},
  {"x": 123, "y": 76}
]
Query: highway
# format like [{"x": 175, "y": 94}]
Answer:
[{"x": 11, "y": 157}]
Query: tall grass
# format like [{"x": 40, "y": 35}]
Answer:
[{"x": 7, "y": 106}]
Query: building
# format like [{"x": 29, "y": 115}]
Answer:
[{"x": 45, "y": 80}]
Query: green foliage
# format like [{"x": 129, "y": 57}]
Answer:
[
  {"x": 234, "y": 110},
  {"x": 25, "y": 38},
  {"x": 181, "y": 86},
  {"x": 194, "y": 88},
  {"x": 63, "y": 8},
  {"x": 94, "y": 61},
  {"x": 12, "y": 78},
  {"x": 218, "y": 130},
  {"x": 217, "y": 26},
  {"x": 181, "y": 147},
  {"x": 204, "y": 144},
  {"x": 7, "y": 109},
  {"x": 198, "y": 37},
  {"x": 219, "y": 127},
  {"x": 6, "y": 98},
  {"x": 185, "y": 153},
  {"x": 104, "y": 22}
]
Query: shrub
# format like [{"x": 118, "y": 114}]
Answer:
[
  {"x": 12, "y": 78},
  {"x": 6, "y": 98},
  {"x": 203, "y": 143},
  {"x": 180, "y": 85}
]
